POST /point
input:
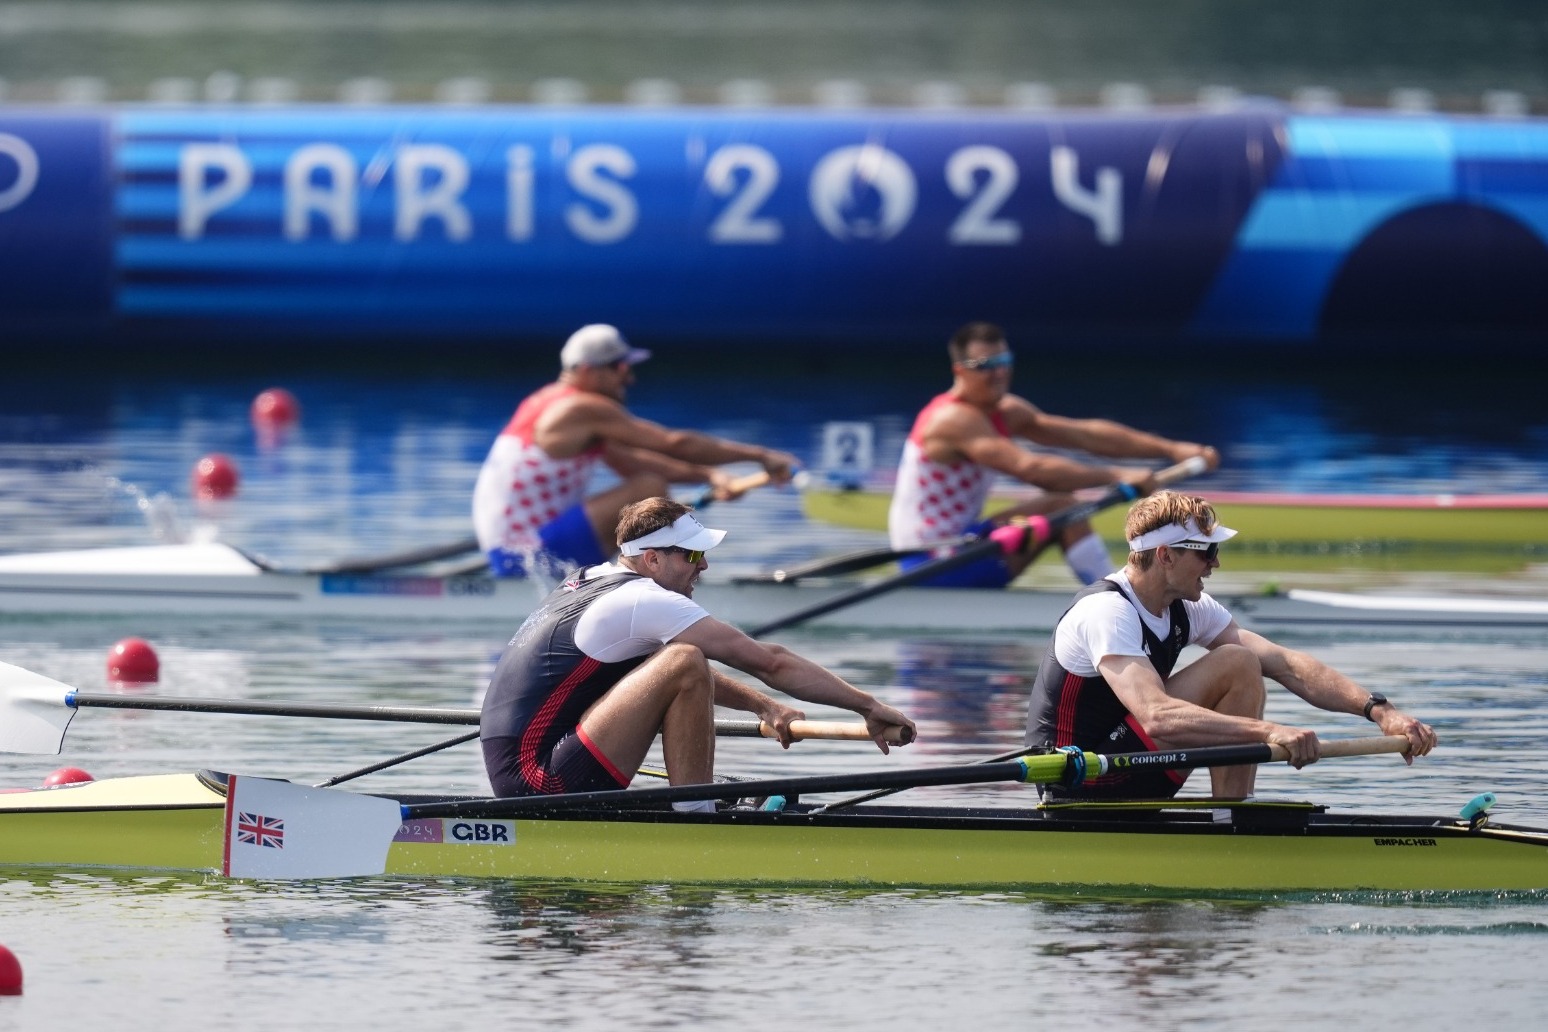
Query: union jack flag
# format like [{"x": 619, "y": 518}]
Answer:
[{"x": 257, "y": 830}]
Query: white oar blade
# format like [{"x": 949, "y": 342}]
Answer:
[
  {"x": 33, "y": 712},
  {"x": 275, "y": 829}
]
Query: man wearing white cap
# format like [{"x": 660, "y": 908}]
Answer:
[
  {"x": 621, "y": 653},
  {"x": 530, "y": 498},
  {"x": 1107, "y": 683}
]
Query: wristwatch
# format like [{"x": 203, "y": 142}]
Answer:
[{"x": 1376, "y": 699}]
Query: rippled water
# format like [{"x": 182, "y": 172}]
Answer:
[{"x": 389, "y": 466}]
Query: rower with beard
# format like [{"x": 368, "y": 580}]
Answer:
[
  {"x": 621, "y": 652},
  {"x": 1109, "y": 683}
]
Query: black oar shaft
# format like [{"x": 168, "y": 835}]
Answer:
[
  {"x": 1040, "y": 768},
  {"x": 398, "y": 560},
  {"x": 911, "y": 778},
  {"x": 1053, "y": 524},
  {"x": 970, "y": 554},
  {"x": 403, "y": 714},
  {"x": 801, "y": 729},
  {"x": 360, "y": 772}
]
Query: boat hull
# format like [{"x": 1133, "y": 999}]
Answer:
[
  {"x": 131, "y": 581},
  {"x": 175, "y": 822},
  {"x": 1490, "y": 534}
]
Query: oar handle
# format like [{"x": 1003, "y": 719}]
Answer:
[
  {"x": 800, "y": 730},
  {"x": 1351, "y": 747},
  {"x": 740, "y": 486},
  {"x": 895, "y": 734}
]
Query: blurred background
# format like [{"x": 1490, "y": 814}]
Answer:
[{"x": 1483, "y": 56}]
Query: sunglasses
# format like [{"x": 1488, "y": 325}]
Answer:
[
  {"x": 693, "y": 555},
  {"x": 1208, "y": 551},
  {"x": 998, "y": 360}
]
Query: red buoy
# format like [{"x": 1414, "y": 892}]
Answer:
[
  {"x": 133, "y": 661},
  {"x": 10, "y": 973},
  {"x": 276, "y": 408},
  {"x": 214, "y": 476},
  {"x": 67, "y": 776}
]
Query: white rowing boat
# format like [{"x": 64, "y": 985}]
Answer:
[{"x": 214, "y": 579}]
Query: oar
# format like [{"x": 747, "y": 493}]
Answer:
[
  {"x": 35, "y": 712},
  {"x": 396, "y": 560},
  {"x": 331, "y": 833},
  {"x": 414, "y": 754},
  {"x": 1048, "y": 768},
  {"x": 454, "y": 549},
  {"x": 1040, "y": 529},
  {"x": 705, "y": 496},
  {"x": 836, "y": 566},
  {"x": 1334, "y": 748}
]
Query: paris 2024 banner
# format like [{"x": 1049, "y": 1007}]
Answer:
[{"x": 704, "y": 226}]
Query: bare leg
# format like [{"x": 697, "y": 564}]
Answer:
[
  {"x": 602, "y": 509},
  {"x": 1227, "y": 680},
  {"x": 672, "y": 692}
]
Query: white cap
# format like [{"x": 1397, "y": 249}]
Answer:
[
  {"x": 685, "y": 532},
  {"x": 1174, "y": 533},
  {"x": 598, "y": 345}
]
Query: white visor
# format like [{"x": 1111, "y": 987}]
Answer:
[
  {"x": 1173, "y": 533},
  {"x": 685, "y": 532}
]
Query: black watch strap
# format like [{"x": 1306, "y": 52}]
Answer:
[{"x": 1376, "y": 699}]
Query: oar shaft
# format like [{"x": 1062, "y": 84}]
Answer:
[
  {"x": 1030, "y": 769},
  {"x": 803, "y": 729},
  {"x": 398, "y": 560},
  {"x": 971, "y": 553},
  {"x": 1014, "y": 770},
  {"x": 401, "y": 714}
]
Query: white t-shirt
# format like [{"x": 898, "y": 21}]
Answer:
[
  {"x": 1105, "y": 624},
  {"x": 634, "y": 619}
]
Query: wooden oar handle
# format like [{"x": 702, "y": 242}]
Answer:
[
  {"x": 1351, "y": 747},
  {"x": 836, "y": 731},
  {"x": 743, "y": 484},
  {"x": 1190, "y": 467},
  {"x": 739, "y": 487}
]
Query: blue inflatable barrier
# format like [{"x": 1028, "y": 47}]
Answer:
[{"x": 867, "y": 228}]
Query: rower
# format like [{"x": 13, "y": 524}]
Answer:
[
  {"x": 1108, "y": 680},
  {"x": 621, "y": 652},
  {"x": 967, "y": 435},
  {"x": 530, "y": 498}
]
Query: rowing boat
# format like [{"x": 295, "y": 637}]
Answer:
[
  {"x": 1278, "y": 530},
  {"x": 179, "y": 822},
  {"x": 762, "y": 830},
  {"x": 215, "y": 579}
]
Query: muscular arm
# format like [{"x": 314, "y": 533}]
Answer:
[
  {"x": 1104, "y": 437},
  {"x": 784, "y": 670},
  {"x": 626, "y": 461},
  {"x": 733, "y": 694},
  {"x": 1176, "y": 722},
  {"x": 1325, "y": 687},
  {"x": 961, "y": 431},
  {"x": 585, "y": 419}
]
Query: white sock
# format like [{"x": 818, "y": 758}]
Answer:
[
  {"x": 1089, "y": 559},
  {"x": 695, "y": 806}
]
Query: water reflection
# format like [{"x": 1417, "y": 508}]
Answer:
[{"x": 969, "y": 690}]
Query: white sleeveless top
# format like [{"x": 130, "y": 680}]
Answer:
[
  {"x": 520, "y": 487},
  {"x": 934, "y": 502}
]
